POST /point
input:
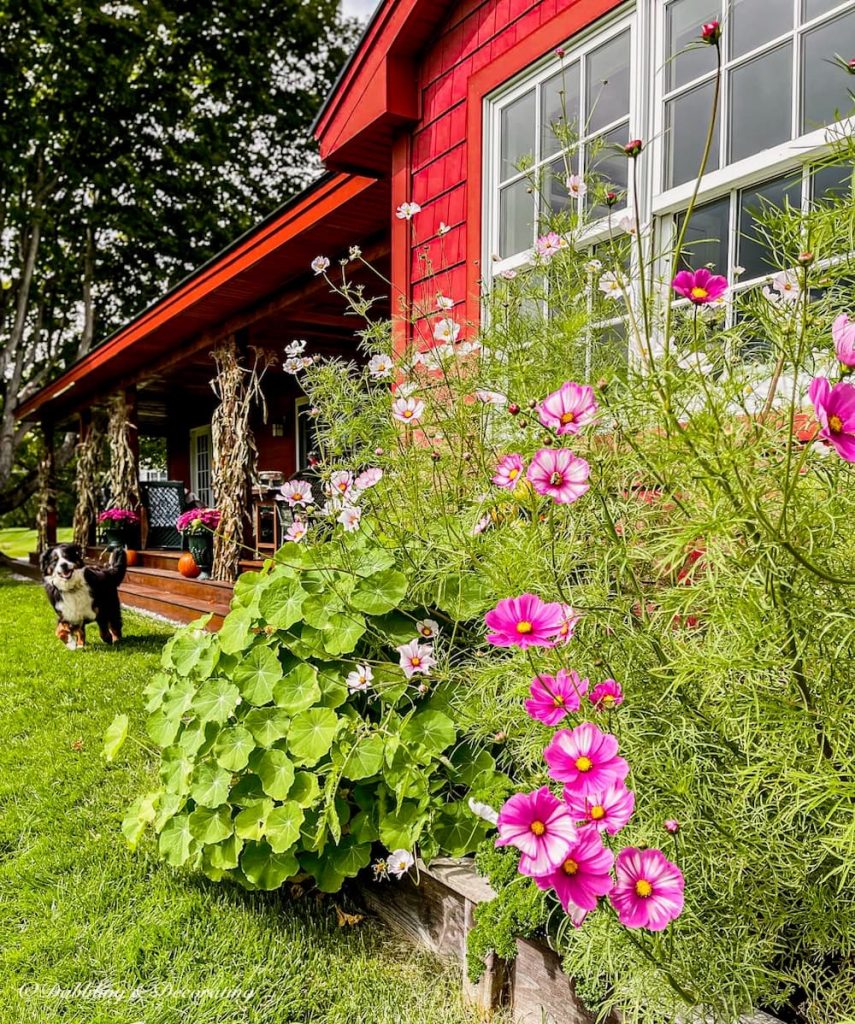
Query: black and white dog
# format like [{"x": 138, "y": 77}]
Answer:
[{"x": 81, "y": 594}]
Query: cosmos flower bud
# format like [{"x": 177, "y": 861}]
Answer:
[
  {"x": 671, "y": 825},
  {"x": 611, "y": 198},
  {"x": 806, "y": 258},
  {"x": 711, "y": 32},
  {"x": 513, "y": 408},
  {"x": 633, "y": 148}
]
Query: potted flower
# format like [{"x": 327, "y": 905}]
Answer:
[
  {"x": 198, "y": 525},
  {"x": 117, "y": 524}
]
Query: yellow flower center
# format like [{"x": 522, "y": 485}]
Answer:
[
  {"x": 426, "y": 632},
  {"x": 584, "y": 764},
  {"x": 568, "y": 417},
  {"x": 570, "y": 867},
  {"x": 598, "y": 812},
  {"x": 538, "y": 828},
  {"x": 524, "y": 627},
  {"x": 835, "y": 424},
  {"x": 556, "y": 479},
  {"x": 342, "y": 487},
  {"x": 558, "y": 701},
  {"x": 407, "y": 413},
  {"x": 699, "y": 293},
  {"x": 513, "y": 474},
  {"x": 643, "y": 888},
  {"x": 415, "y": 662},
  {"x": 609, "y": 700}
]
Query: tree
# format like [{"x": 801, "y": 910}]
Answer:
[{"x": 138, "y": 138}]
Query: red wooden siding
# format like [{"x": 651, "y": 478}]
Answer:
[{"x": 482, "y": 44}]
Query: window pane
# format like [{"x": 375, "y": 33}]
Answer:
[
  {"x": 832, "y": 182},
  {"x": 683, "y": 21},
  {"x": 753, "y": 247},
  {"x": 560, "y": 103},
  {"x": 610, "y": 167},
  {"x": 608, "y": 348},
  {"x": 607, "y": 83},
  {"x": 517, "y": 133},
  {"x": 553, "y": 192},
  {"x": 813, "y": 8},
  {"x": 686, "y": 121},
  {"x": 824, "y": 83},
  {"x": 761, "y": 103},
  {"x": 706, "y": 237},
  {"x": 516, "y": 218},
  {"x": 753, "y": 23}
]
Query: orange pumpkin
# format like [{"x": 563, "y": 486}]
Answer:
[
  {"x": 132, "y": 557},
  {"x": 187, "y": 566}
]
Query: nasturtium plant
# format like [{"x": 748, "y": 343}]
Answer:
[{"x": 274, "y": 764}]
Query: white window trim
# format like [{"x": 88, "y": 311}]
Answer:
[{"x": 195, "y": 434}]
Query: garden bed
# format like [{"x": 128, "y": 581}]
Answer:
[{"x": 437, "y": 913}]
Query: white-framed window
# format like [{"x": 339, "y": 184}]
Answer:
[
  {"x": 201, "y": 457},
  {"x": 782, "y": 103}
]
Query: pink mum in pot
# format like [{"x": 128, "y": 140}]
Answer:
[
  {"x": 119, "y": 517},
  {"x": 197, "y": 519}
]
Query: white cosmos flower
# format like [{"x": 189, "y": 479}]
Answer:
[
  {"x": 427, "y": 628},
  {"x": 340, "y": 482},
  {"x": 368, "y": 478},
  {"x": 354, "y": 252},
  {"x": 399, "y": 863},
  {"x": 360, "y": 678},
  {"x": 380, "y": 366},
  {"x": 446, "y": 330},
  {"x": 491, "y": 397},
  {"x": 406, "y": 211},
  {"x": 593, "y": 266},
  {"x": 349, "y": 518},
  {"x": 443, "y": 228},
  {"x": 296, "y": 492},
  {"x": 468, "y": 348},
  {"x": 320, "y": 264},
  {"x": 292, "y": 365},
  {"x": 443, "y": 302},
  {"x": 296, "y": 531},
  {"x": 295, "y": 348},
  {"x": 626, "y": 223},
  {"x": 610, "y": 285},
  {"x": 576, "y": 186},
  {"x": 697, "y": 362},
  {"x": 408, "y": 410},
  {"x": 484, "y": 811},
  {"x": 434, "y": 358},
  {"x": 508, "y": 275},
  {"x": 785, "y": 287},
  {"x": 416, "y": 657}
]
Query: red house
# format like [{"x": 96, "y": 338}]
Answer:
[{"x": 438, "y": 106}]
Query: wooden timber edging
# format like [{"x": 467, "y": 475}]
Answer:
[{"x": 437, "y": 912}]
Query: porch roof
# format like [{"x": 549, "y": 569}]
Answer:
[{"x": 334, "y": 212}]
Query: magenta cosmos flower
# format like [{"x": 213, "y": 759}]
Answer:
[
  {"x": 559, "y": 474},
  {"x": 835, "y": 410},
  {"x": 540, "y": 827},
  {"x": 585, "y": 759},
  {"x": 843, "y": 332},
  {"x": 509, "y": 471},
  {"x": 583, "y": 876},
  {"x": 699, "y": 286},
  {"x": 608, "y": 811},
  {"x": 552, "y": 697},
  {"x": 649, "y": 889},
  {"x": 568, "y": 409},
  {"x": 524, "y": 621},
  {"x": 606, "y": 695}
]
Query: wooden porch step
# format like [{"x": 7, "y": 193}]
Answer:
[
  {"x": 177, "y": 607},
  {"x": 167, "y": 579},
  {"x": 166, "y": 559}
]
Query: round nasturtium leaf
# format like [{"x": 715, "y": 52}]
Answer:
[
  {"x": 350, "y": 856},
  {"x": 176, "y": 840},
  {"x": 297, "y": 690},
  {"x": 251, "y": 821},
  {"x": 282, "y": 828},
  {"x": 216, "y": 700},
  {"x": 281, "y": 603},
  {"x": 265, "y": 868},
  {"x": 256, "y": 675},
  {"x": 267, "y": 725},
  {"x": 400, "y": 828},
  {"x": 224, "y": 856},
  {"x": 234, "y": 633},
  {"x": 364, "y": 759},
  {"x": 305, "y": 790},
  {"x": 163, "y": 728},
  {"x": 380, "y": 593},
  {"x": 211, "y": 825},
  {"x": 276, "y": 772},
  {"x": 343, "y": 632},
  {"x": 311, "y": 734},
  {"x": 233, "y": 747},
  {"x": 431, "y": 730},
  {"x": 115, "y": 736},
  {"x": 210, "y": 786}
]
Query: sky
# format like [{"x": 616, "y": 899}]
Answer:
[{"x": 359, "y": 8}]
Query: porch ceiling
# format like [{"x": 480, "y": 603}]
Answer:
[{"x": 262, "y": 279}]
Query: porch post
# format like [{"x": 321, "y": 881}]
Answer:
[
  {"x": 89, "y": 457},
  {"x": 46, "y": 515},
  {"x": 123, "y": 437}
]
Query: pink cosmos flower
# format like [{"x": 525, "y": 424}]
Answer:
[
  {"x": 583, "y": 876},
  {"x": 296, "y": 531},
  {"x": 509, "y": 471},
  {"x": 483, "y": 524},
  {"x": 416, "y": 657},
  {"x": 548, "y": 245},
  {"x": 408, "y": 410},
  {"x": 843, "y": 332},
  {"x": 341, "y": 482},
  {"x": 349, "y": 518},
  {"x": 523, "y": 621},
  {"x": 699, "y": 286},
  {"x": 559, "y": 474},
  {"x": 568, "y": 626},
  {"x": 606, "y": 695},
  {"x": 586, "y": 759},
  {"x": 539, "y": 825},
  {"x": 835, "y": 410},
  {"x": 368, "y": 478},
  {"x": 649, "y": 889},
  {"x": 552, "y": 697},
  {"x": 295, "y": 492},
  {"x": 608, "y": 811},
  {"x": 568, "y": 409}
]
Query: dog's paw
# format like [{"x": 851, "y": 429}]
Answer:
[{"x": 71, "y": 643}]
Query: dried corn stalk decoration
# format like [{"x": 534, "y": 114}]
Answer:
[
  {"x": 123, "y": 478},
  {"x": 233, "y": 468},
  {"x": 46, "y": 492},
  {"x": 88, "y": 479}
]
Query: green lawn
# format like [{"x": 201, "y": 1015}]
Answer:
[
  {"x": 19, "y": 541},
  {"x": 78, "y": 910}
]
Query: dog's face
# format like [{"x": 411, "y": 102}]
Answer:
[{"x": 63, "y": 566}]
